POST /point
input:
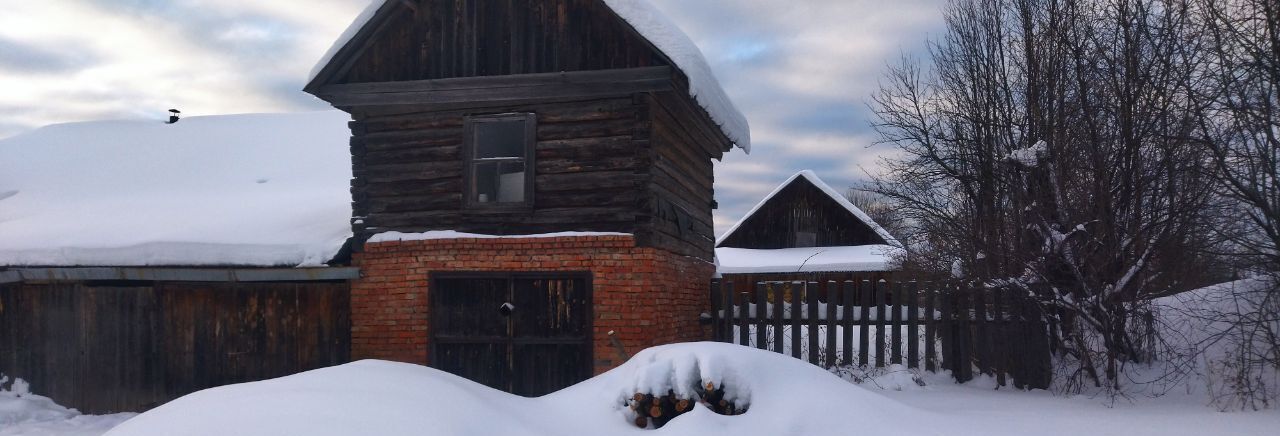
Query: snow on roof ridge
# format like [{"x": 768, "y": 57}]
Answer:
[
  {"x": 861, "y": 258},
  {"x": 813, "y": 178},
  {"x": 652, "y": 25},
  {"x": 452, "y": 234}
]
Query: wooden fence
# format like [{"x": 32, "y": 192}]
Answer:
[
  {"x": 129, "y": 347},
  {"x": 934, "y": 326}
]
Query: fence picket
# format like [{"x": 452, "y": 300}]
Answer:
[
  {"x": 796, "y": 289},
  {"x": 982, "y": 332},
  {"x": 760, "y": 322},
  {"x": 964, "y": 339},
  {"x": 847, "y": 323},
  {"x": 727, "y": 306},
  {"x": 930, "y": 327},
  {"x": 881, "y": 320},
  {"x": 744, "y": 318},
  {"x": 811, "y": 295},
  {"x": 779, "y": 339},
  {"x": 896, "y": 306},
  {"x": 715, "y": 311},
  {"x": 833, "y": 299},
  {"x": 1000, "y": 349},
  {"x": 864, "y": 324},
  {"x": 913, "y": 325}
]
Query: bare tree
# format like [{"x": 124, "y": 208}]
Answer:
[
  {"x": 1049, "y": 146},
  {"x": 1240, "y": 125}
]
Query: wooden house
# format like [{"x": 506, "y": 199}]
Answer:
[
  {"x": 140, "y": 261},
  {"x": 532, "y": 188},
  {"x": 805, "y": 231}
]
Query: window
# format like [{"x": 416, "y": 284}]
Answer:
[
  {"x": 806, "y": 239},
  {"x": 499, "y": 159}
]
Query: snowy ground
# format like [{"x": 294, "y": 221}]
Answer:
[
  {"x": 22, "y": 413},
  {"x": 786, "y": 397}
]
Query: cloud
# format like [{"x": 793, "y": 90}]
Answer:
[
  {"x": 29, "y": 58},
  {"x": 800, "y": 70}
]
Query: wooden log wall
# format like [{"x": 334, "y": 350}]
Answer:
[
  {"x": 438, "y": 39},
  {"x": 637, "y": 164},
  {"x": 116, "y": 347},
  {"x": 409, "y": 171}
]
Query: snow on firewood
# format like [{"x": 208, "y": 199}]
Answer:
[{"x": 786, "y": 397}]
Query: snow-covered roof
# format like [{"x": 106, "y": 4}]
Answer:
[
  {"x": 825, "y": 188},
  {"x": 237, "y": 190},
  {"x": 653, "y": 26},
  {"x": 864, "y": 258}
]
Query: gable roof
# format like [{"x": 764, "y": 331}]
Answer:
[
  {"x": 650, "y": 23},
  {"x": 812, "y": 178},
  {"x": 236, "y": 190}
]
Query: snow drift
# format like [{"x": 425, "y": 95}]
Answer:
[{"x": 786, "y": 396}]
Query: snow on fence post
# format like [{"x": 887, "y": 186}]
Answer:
[
  {"x": 760, "y": 321},
  {"x": 833, "y": 298},
  {"x": 779, "y": 299},
  {"x": 846, "y": 324}
]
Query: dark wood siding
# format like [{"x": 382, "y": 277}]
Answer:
[
  {"x": 114, "y": 347},
  {"x": 801, "y": 205},
  {"x": 587, "y": 163},
  {"x": 468, "y": 38}
]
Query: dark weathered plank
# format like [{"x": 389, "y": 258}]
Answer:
[
  {"x": 832, "y": 324},
  {"x": 864, "y": 323},
  {"x": 913, "y": 325},
  {"x": 930, "y": 326},
  {"x": 811, "y": 296},
  {"x": 895, "y": 354},
  {"x": 779, "y": 339},
  {"x": 761, "y": 317},
  {"x": 882, "y": 321},
  {"x": 717, "y": 317},
  {"x": 744, "y": 314},
  {"x": 727, "y": 305},
  {"x": 981, "y": 339},
  {"x": 798, "y": 289},
  {"x": 846, "y": 325}
]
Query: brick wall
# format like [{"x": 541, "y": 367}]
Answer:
[{"x": 646, "y": 295}]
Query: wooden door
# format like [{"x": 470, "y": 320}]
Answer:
[{"x": 528, "y": 334}]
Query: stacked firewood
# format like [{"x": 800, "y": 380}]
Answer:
[{"x": 657, "y": 411}]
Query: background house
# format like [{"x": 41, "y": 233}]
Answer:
[{"x": 805, "y": 231}]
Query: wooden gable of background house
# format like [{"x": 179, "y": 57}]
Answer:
[{"x": 804, "y": 204}]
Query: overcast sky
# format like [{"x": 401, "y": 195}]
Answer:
[{"x": 801, "y": 70}]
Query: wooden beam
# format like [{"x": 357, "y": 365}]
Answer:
[{"x": 522, "y": 88}]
